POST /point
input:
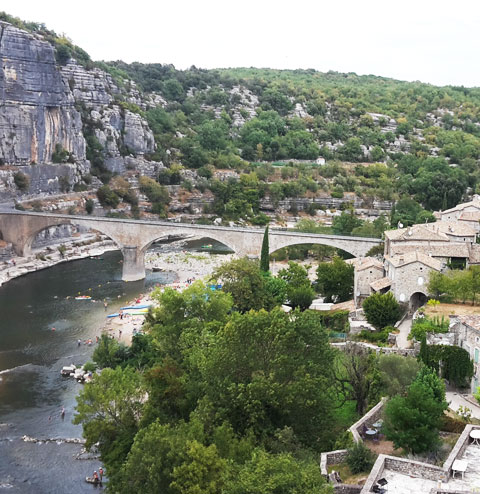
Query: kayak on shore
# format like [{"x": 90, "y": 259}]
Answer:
[{"x": 138, "y": 306}]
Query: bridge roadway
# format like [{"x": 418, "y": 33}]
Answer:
[{"x": 134, "y": 237}]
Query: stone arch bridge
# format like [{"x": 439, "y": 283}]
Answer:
[{"x": 134, "y": 237}]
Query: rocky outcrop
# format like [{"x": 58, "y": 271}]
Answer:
[
  {"x": 45, "y": 106},
  {"x": 37, "y": 110}
]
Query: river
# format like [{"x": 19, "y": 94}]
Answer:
[{"x": 32, "y": 391}]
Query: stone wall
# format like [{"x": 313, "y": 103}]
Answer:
[
  {"x": 459, "y": 448},
  {"x": 367, "y": 420},
  {"x": 414, "y": 468},
  {"x": 405, "y": 352},
  {"x": 347, "y": 489},
  {"x": 402, "y": 466},
  {"x": 331, "y": 458}
]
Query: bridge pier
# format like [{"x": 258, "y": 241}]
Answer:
[{"x": 133, "y": 264}]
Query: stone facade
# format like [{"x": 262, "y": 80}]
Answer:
[
  {"x": 367, "y": 270},
  {"x": 409, "y": 275},
  {"x": 412, "y": 254},
  {"x": 467, "y": 336}
]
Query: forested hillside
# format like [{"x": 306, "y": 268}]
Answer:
[{"x": 239, "y": 143}]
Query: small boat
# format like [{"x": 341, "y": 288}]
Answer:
[
  {"x": 115, "y": 314},
  {"x": 92, "y": 480},
  {"x": 138, "y": 306},
  {"x": 83, "y": 297},
  {"x": 136, "y": 312},
  {"x": 67, "y": 370}
]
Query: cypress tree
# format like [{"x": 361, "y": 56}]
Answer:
[
  {"x": 265, "y": 256},
  {"x": 392, "y": 216}
]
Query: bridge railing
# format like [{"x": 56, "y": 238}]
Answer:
[{"x": 193, "y": 226}]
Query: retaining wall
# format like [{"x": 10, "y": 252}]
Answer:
[{"x": 368, "y": 420}]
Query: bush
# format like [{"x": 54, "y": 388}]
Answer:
[
  {"x": 90, "y": 367},
  {"x": 301, "y": 297},
  {"x": 381, "y": 310},
  {"x": 22, "y": 181},
  {"x": 360, "y": 458},
  {"x": 89, "y": 206},
  {"x": 107, "y": 196},
  {"x": 424, "y": 325},
  {"x": 450, "y": 424},
  {"x": 375, "y": 336},
  {"x": 344, "y": 441},
  {"x": 60, "y": 155}
]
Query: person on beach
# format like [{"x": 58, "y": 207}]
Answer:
[
  {"x": 62, "y": 413},
  {"x": 100, "y": 473},
  {"x": 105, "y": 305},
  {"x": 96, "y": 480},
  {"x": 79, "y": 342}
]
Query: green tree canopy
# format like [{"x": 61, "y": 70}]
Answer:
[
  {"x": 412, "y": 421},
  {"x": 381, "y": 310},
  {"x": 335, "y": 280}
]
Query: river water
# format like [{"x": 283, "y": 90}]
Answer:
[{"x": 32, "y": 391}]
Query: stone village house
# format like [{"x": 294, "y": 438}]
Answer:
[{"x": 412, "y": 253}]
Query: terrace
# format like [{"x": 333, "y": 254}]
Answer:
[{"x": 405, "y": 476}]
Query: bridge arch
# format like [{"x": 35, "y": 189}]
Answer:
[
  {"x": 310, "y": 241},
  {"x": 213, "y": 236},
  {"x": 30, "y": 239}
]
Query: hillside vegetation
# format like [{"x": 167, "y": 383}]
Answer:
[{"x": 272, "y": 130}]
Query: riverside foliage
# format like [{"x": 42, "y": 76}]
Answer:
[{"x": 210, "y": 400}]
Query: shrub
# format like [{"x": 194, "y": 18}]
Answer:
[
  {"x": 90, "y": 367},
  {"x": 22, "y": 181},
  {"x": 107, "y": 196},
  {"x": 450, "y": 424},
  {"x": 37, "y": 206},
  {"x": 424, "y": 325},
  {"x": 375, "y": 336},
  {"x": 381, "y": 310},
  {"x": 89, "y": 206},
  {"x": 62, "y": 249},
  {"x": 60, "y": 155},
  {"x": 344, "y": 441},
  {"x": 360, "y": 458}
]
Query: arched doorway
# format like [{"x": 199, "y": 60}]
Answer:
[{"x": 417, "y": 299}]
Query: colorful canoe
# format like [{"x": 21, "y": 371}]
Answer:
[{"x": 138, "y": 306}]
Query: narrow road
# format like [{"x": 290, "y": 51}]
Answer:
[
  {"x": 456, "y": 400},
  {"x": 404, "y": 328}
]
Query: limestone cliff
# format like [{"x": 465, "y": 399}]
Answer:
[
  {"x": 44, "y": 107},
  {"x": 37, "y": 110}
]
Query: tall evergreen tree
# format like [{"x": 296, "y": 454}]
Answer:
[
  {"x": 265, "y": 256},
  {"x": 392, "y": 215}
]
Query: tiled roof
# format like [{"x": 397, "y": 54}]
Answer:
[
  {"x": 460, "y": 207},
  {"x": 474, "y": 257},
  {"x": 451, "y": 228},
  {"x": 452, "y": 249},
  {"x": 367, "y": 263},
  {"x": 470, "y": 320},
  {"x": 381, "y": 283},
  {"x": 415, "y": 232},
  {"x": 470, "y": 216},
  {"x": 415, "y": 256}
]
